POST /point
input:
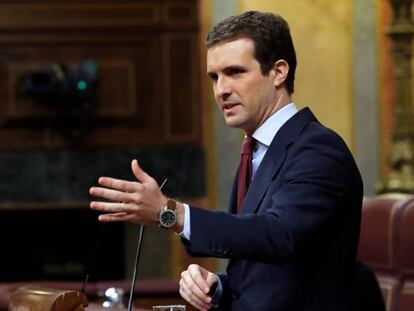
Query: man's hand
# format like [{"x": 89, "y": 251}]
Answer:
[
  {"x": 195, "y": 285},
  {"x": 136, "y": 201}
]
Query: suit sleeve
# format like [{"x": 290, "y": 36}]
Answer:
[{"x": 309, "y": 196}]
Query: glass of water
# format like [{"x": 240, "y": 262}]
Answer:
[{"x": 169, "y": 308}]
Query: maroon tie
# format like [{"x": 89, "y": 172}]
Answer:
[{"x": 245, "y": 170}]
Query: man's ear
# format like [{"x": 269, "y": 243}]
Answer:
[{"x": 281, "y": 69}]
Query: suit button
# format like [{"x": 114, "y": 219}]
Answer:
[{"x": 236, "y": 295}]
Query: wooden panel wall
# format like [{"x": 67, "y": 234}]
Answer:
[{"x": 147, "y": 57}]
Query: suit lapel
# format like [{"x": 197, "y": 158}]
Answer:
[
  {"x": 233, "y": 195},
  {"x": 274, "y": 158}
]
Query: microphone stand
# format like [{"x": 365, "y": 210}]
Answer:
[{"x": 134, "y": 275}]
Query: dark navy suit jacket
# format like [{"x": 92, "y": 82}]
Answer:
[{"x": 293, "y": 245}]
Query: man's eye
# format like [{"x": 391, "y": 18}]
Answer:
[
  {"x": 213, "y": 77},
  {"x": 234, "y": 71}
]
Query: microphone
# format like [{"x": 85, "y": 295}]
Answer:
[
  {"x": 84, "y": 284},
  {"x": 134, "y": 275}
]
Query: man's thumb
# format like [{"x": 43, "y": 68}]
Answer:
[
  {"x": 138, "y": 172},
  {"x": 211, "y": 279}
]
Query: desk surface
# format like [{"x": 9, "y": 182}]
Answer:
[{"x": 97, "y": 307}]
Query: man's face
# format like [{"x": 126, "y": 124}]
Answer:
[{"x": 244, "y": 95}]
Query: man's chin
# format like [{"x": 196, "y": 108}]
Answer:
[{"x": 233, "y": 122}]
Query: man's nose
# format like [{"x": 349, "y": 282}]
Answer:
[{"x": 222, "y": 88}]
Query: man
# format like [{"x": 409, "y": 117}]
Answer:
[{"x": 292, "y": 236}]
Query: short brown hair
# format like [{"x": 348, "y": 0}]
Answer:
[{"x": 270, "y": 34}]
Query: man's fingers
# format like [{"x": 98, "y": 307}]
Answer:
[
  {"x": 191, "y": 297},
  {"x": 191, "y": 292},
  {"x": 195, "y": 286},
  {"x": 110, "y": 194},
  {"x": 212, "y": 280},
  {"x": 192, "y": 288},
  {"x": 193, "y": 302},
  {"x": 199, "y": 275},
  {"x": 119, "y": 184},
  {"x": 113, "y": 207},
  {"x": 107, "y": 207},
  {"x": 112, "y": 217}
]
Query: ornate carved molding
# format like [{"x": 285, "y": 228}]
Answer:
[{"x": 401, "y": 154}]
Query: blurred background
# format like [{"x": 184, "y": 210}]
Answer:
[{"x": 88, "y": 85}]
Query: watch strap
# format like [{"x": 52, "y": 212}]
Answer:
[{"x": 171, "y": 204}]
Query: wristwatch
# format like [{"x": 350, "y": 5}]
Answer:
[{"x": 168, "y": 216}]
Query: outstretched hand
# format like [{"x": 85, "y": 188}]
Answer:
[{"x": 135, "y": 201}]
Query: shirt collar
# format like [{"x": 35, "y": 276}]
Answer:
[{"x": 267, "y": 131}]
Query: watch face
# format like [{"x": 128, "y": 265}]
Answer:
[{"x": 168, "y": 218}]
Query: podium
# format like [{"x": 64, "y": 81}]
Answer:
[
  {"x": 33, "y": 298},
  {"x": 40, "y": 298},
  {"x": 146, "y": 293}
]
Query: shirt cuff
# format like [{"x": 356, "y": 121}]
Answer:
[
  {"x": 186, "y": 228},
  {"x": 216, "y": 296}
]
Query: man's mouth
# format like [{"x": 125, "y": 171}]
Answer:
[{"x": 229, "y": 107}]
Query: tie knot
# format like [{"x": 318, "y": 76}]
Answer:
[{"x": 248, "y": 145}]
